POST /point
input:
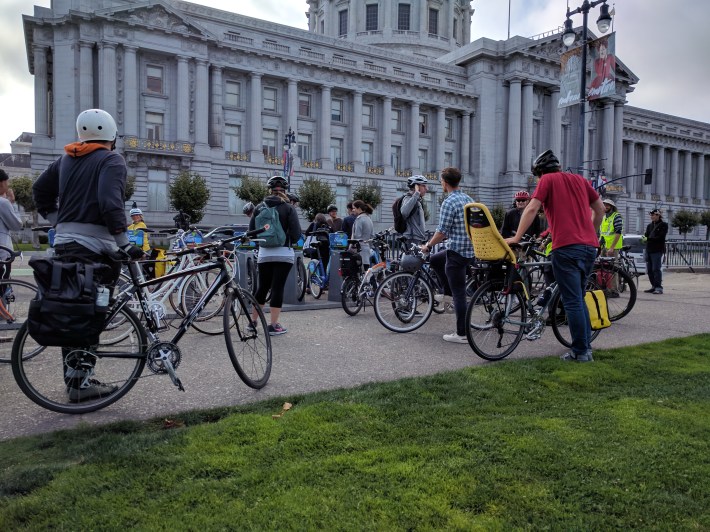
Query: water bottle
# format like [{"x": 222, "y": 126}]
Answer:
[{"x": 102, "y": 294}]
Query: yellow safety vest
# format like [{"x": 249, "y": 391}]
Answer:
[{"x": 607, "y": 232}]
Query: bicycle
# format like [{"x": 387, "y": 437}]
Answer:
[
  {"x": 126, "y": 346},
  {"x": 317, "y": 275},
  {"x": 15, "y": 297},
  {"x": 617, "y": 284}
]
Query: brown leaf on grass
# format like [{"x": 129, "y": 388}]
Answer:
[
  {"x": 173, "y": 423},
  {"x": 284, "y": 408}
]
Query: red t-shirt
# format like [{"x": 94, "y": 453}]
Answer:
[{"x": 566, "y": 199}]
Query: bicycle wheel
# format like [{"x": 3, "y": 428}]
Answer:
[
  {"x": 15, "y": 297},
  {"x": 403, "y": 302},
  {"x": 350, "y": 296},
  {"x": 314, "y": 280},
  {"x": 248, "y": 343},
  {"x": 535, "y": 281},
  {"x": 251, "y": 275},
  {"x": 558, "y": 321},
  {"x": 301, "y": 277},
  {"x": 113, "y": 364},
  {"x": 621, "y": 297},
  {"x": 208, "y": 320},
  {"x": 495, "y": 321}
]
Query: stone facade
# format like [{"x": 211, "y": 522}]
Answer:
[{"x": 213, "y": 92}]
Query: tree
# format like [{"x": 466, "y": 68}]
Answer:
[
  {"x": 369, "y": 192},
  {"x": 130, "y": 188},
  {"x": 22, "y": 188},
  {"x": 705, "y": 220},
  {"x": 189, "y": 193},
  {"x": 251, "y": 189},
  {"x": 498, "y": 214},
  {"x": 315, "y": 196},
  {"x": 685, "y": 221}
]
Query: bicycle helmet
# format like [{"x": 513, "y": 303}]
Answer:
[
  {"x": 248, "y": 208},
  {"x": 522, "y": 194},
  {"x": 331, "y": 207},
  {"x": 96, "y": 124},
  {"x": 545, "y": 163},
  {"x": 277, "y": 181},
  {"x": 417, "y": 180},
  {"x": 410, "y": 263},
  {"x": 136, "y": 212},
  {"x": 293, "y": 198}
]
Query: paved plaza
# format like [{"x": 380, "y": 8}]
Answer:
[{"x": 327, "y": 349}]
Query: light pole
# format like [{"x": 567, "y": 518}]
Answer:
[
  {"x": 289, "y": 145},
  {"x": 568, "y": 38}
]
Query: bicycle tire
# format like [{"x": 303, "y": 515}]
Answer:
[
  {"x": 619, "y": 302},
  {"x": 301, "y": 277},
  {"x": 314, "y": 280},
  {"x": 350, "y": 297},
  {"x": 119, "y": 363},
  {"x": 492, "y": 332},
  {"x": 535, "y": 281},
  {"x": 403, "y": 302},
  {"x": 251, "y": 275},
  {"x": 559, "y": 324},
  {"x": 208, "y": 320},
  {"x": 249, "y": 351},
  {"x": 15, "y": 298}
]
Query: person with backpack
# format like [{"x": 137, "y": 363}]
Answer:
[
  {"x": 363, "y": 229},
  {"x": 276, "y": 256},
  {"x": 411, "y": 211}
]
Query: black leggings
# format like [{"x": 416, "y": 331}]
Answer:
[{"x": 272, "y": 276}]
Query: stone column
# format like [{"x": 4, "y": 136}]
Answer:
[
  {"x": 700, "y": 177},
  {"x": 356, "y": 131},
  {"x": 386, "y": 159},
  {"x": 526, "y": 155},
  {"x": 292, "y": 107},
  {"x": 86, "y": 75},
  {"x": 631, "y": 182},
  {"x": 423, "y": 18},
  {"x": 131, "y": 91},
  {"x": 352, "y": 18},
  {"x": 617, "y": 163},
  {"x": 216, "y": 115},
  {"x": 647, "y": 162},
  {"x": 607, "y": 140},
  {"x": 660, "y": 172},
  {"x": 183, "y": 100},
  {"x": 107, "y": 83},
  {"x": 387, "y": 18},
  {"x": 687, "y": 183},
  {"x": 41, "y": 90},
  {"x": 440, "y": 138},
  {"x": 413, "y": 137},
  {"x": 466, "y": 24},
  {"x": 254, "y": 119},
  {"x": 465, "y": 143},
  {"x": 449, "y": 26},
  {"x": 325, "y": 124},
  {"x": 514, "y": 108},
  {"x": 674, "y": 178},
  {"x": 202, "y": 111},
  {"x": 555, "y": 123}
]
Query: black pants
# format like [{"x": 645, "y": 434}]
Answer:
[
  {"x": 272, "y": 276},
  {"x": 77, "y": 250}
]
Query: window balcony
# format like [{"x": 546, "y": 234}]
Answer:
[
  {"x": 273, "y": 159},
  {"x": 236, "y": 156},
  {"x": 432, "y": 176},
  {"x": 311, "y": 164},
  {"x": 342, "y": 167},
  {"x": 375, "y": 170},
  {"x": 429, "y": 79},
  {"x": 403, "y": 173},
  {"x": 163, "y": 146}
]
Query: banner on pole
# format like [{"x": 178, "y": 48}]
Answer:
[
  {"x": 603, "y": 67},
  {"x": 570, "y": 79}
]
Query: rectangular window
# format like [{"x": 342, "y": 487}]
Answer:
[
  {"x": 423, "y": 162},
  {"x": 403, "y": 17},
  {"x": 449, "y": 128},
  {"x": 396, "y": 120},
  {"x": 336, "y": 110},
  {"x": 304, "y": 147},
  {"x": 232, "y": 93},
  {"x": 396, "y": 157},
  {"x": 154, "y": 79},
  {"x": 304, "y": 104},
  {"x": 454, "y": 31},
  {"x": 235, "y": 204},
  {"x": 371, "y": 17},
  {"x": 433, "y": 21},
  {"x": 343, "y": 22},
  {"x": 268, "y": 142},
  {"x": 367, "y": 151},
  {"x": 342, "y": 196},
  {"x": 423, "y": 124},
  {"x": 232, "y": 138},
  {"x": 336, "y": 150},
  {"x": 448, "y": 159},
  {"x": 158, "y": 190},
  {"x": 269, "y": 99},
  {"x": 154, "y": 126},
  {"x": 368, "y": 112}
]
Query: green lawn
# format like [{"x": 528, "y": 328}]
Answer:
[{"x": 618, "y": 444}]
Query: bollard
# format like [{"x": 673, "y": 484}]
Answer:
[
  {"x": 335, "y": 282},
  {"x": 291, "y": 287}
]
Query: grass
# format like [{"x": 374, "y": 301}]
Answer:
[{"x": 620, "y": 443}]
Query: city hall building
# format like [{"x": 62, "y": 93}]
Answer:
[{"x": 374, "y": 91}]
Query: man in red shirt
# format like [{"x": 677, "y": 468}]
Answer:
[{"x": 574, "y": 212}]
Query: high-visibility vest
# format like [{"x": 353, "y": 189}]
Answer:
[{"x": 607, "y": 231}]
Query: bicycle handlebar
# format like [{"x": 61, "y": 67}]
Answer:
[{"x": 211, "y": 246}]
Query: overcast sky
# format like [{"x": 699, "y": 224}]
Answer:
[{"x": 664, "y": 42}]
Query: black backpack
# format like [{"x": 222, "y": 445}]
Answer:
[{"x": 400, "y": 222}]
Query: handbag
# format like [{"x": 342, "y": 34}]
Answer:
[{"x": 598, "y": 310}]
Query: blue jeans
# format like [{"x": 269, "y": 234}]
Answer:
[
  {"x": 653, "y": 268},
  {"x": 572, "y": 265}
]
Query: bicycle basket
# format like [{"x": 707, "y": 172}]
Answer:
[
  {"x": 350, "y": 263},
  {"x": 410, "y": 263},
  {"x": 338, "y": 240}
]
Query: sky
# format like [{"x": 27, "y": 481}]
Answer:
[{"x": 663, "y": 42}]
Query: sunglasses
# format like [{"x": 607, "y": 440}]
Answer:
[{"x": 520, "y": 200}]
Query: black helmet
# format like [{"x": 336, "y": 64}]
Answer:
[
  {"x": 293, "y": 198},
  {"x": 277, "y": 182},
  {"x": 248, "y": 208},
  {"x": 545, "y": 163},
  {"x": 331, "y": 207},
  {"x": 417, "y": 180}
]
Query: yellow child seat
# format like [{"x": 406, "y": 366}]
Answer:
[{"x": 488, "y": 244}]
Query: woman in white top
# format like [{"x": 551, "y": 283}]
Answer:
[
  {"x": 363, "y": 228},
  {"x": 9, "y": 219}
]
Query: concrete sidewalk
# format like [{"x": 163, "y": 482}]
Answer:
[{"x": 327, "y": 349}]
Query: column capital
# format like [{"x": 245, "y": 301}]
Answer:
[
  {"x": 255, "y": 75},
  {"x": 216, "y": 68},
  {"x": 527, "y": 83},
  {"x": 108, "y": 44},
  {"x": 201, "y": 62},
  {"x": 182, "y": 58},
  {"x": 127, "y": 47}
]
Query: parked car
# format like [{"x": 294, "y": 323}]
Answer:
[{"x": 637, "y": 251}]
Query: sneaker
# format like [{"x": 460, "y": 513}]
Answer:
[
  {"x": 455, "y": 338},
  {"x": 94, "y": 390},
  {"x": 449, "y": 308},
  {"x": 276, "y": 329},
  {"x": 650, "y": 290},
  {"x": 571, "y": 357},
  {"x": 441, "y": 298},
  {"x": 658, "y": 291}
]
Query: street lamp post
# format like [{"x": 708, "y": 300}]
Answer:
[
  {"x": 568, "y": 38},
  {"x": 289, "y": 146}
]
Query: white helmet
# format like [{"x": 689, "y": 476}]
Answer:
[
  {"x": 136, "y": 212},
  {"x": 96, "y": 124}
]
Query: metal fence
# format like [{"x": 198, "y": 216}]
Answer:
[{"x": 684, "y": 253}]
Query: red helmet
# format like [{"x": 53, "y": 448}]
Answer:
[{"x": 522, "y": 194}]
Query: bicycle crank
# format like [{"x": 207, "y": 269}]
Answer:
[{"x": 165, "y": 357}]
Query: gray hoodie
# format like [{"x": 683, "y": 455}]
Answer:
[{"x": 411, "y": 208}]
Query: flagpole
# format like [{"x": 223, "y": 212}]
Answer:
[{"x": 509, "y": 19}]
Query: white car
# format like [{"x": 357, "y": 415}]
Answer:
[{"x": 636, "y": 251}]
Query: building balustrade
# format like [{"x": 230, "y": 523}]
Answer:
[
  {"x": 311, "y": 164},
  {"x": 616, "y": 189},
  {"x": 640, "y": 195},
  {"x": 274, "y": 159},
  {"x": 403, "y": 73},
  {"x": 697, "y": 201},
  {"x": 655, "y": 197},
  {"x": 670, "y": 198},
  {"x": 235, "y": 37},
  {"x": 455, "y": 84},
  {"x": 432, "y": 176},
  {"x": 311, "y": 54},
  {"x": 405, "y": 32},
  {"x": 342, "y": 167},
  {"x": 683, "y": 200},
  {"x": 271, "y": 45},
  {"x": 430, "y": 79},
  {"x": 338, "y": 60},
  {"x": 376, "y": 170},
  {"x": 403, "y": 173},
  {"x": 135, "y": 143},
  {"x": 375, "y": 68},
  {"x": 236, "y": 156}
]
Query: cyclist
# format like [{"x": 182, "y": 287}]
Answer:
[
  {"x": 611, "y": 229},
  {"x": 567, "y": 199},
  {"x": 335, "y": 223},
  {"x": 412, "y": 209},
  {"x": 137, "y": 224},
  {"x": 248, "y": 209},
  {"x": 293, "y": 198},
  {"x": 363, "y": 230},
  {"x": 512, "y": 217}
]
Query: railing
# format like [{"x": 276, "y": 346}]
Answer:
[
  {"x": 375, "y": 68},
  {"x": 403, "y": 73},
  {"x": 430, "y": 79},
  {"x": 377, "y": 170},
  {"x": 342, "y": 167},
  {"x": 684, "y": 253},
  {"x": 403, "y": 173},
  {"x": 236, "y": 156},
  {"x": 274, "y": 159},
  {"x": 311, "y": 164},
  {"x": 432, "y": 176},
  {"x": 343, "y": 61},
  {"x": 270, "y": 45},
  {"x": 238, "y": 38},
  {"x": 135, "y": 143},
  {"x": 455, "y": 84},
  {"x": 311, "y": 55}
]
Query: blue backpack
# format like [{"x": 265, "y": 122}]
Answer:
[{"x": 274, "y": 236}]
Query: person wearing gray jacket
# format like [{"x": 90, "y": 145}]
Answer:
[{"x": 412, "y": 209}]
